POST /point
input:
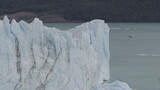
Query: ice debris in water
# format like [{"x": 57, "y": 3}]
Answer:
[{"x": 35, "y": 57}]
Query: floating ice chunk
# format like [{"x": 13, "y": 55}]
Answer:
[
  {"x": 153, "y": 55},
  {"x": 112, "y": 86}
]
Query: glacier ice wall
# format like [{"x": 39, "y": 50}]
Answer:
[{"x": 35, "y": 57}]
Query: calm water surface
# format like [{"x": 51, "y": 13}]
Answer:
[{"x": 133, "y": 60}]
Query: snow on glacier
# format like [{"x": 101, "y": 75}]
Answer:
[{"x": 35, "y": 57}]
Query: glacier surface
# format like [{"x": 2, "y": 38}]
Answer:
[{"x": 35, "y": 57}]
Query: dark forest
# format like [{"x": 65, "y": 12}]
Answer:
[{"x": 84, "y": 10}]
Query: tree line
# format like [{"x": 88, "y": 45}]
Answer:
[{"x": 84, "y": 10}]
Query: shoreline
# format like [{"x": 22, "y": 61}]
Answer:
[{"x": 52, "y": 18}]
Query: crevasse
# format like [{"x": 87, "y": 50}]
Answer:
[{"x": 35, "y": 57}]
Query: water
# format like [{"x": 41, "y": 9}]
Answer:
[{"x": 133, "y": 60}]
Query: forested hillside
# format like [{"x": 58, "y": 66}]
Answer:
[{"x": 84, "y": 10}]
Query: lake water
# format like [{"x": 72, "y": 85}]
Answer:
[{"x": 133, "y": 60}]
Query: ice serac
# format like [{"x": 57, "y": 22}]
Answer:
[{"x": 35, "y": 57}]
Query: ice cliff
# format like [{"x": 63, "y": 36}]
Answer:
[{"x": 35, "y": 57}]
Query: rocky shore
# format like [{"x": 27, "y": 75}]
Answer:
[{"x": 29, "y": 16}]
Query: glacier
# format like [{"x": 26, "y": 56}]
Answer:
[{"x": 36, "y": 57}]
